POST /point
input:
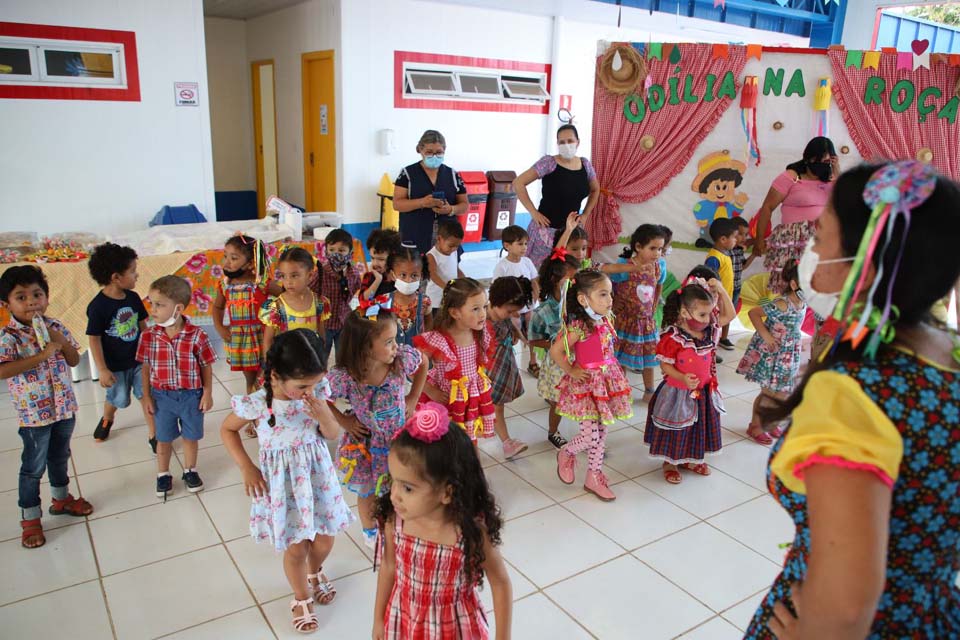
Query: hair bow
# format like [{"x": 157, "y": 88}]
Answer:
[
  {"x": 429, "y": 422},
  {"x": 700, "y": 282},
  {"x": 559, "y": 253},
  {"x": 370, "y": 309}
]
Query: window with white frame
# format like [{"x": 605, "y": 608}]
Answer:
[
  {"x": 64, "y": 63},
  {"x": 446, "y": 82}
]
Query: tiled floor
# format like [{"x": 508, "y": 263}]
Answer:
[{"x": 662, "y": 561}]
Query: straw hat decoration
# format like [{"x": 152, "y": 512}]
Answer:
[{"x": 621, "y": 69}]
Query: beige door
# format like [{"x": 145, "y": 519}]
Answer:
[{"x": 265, "y": 132}]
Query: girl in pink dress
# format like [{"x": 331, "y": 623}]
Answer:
[
  {"x": 593, "y": 391},
  {"x": 459, "y": 350},
  {"x": 441, "y": 536}
]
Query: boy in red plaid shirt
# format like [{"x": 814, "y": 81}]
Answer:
[{"x": 177, "y": 379}]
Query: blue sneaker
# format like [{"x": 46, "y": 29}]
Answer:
[
  {"x": 193, "y": 481},
  {"x": 164, "y": 486}
]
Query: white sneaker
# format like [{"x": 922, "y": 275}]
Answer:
[{"x": 370, "y": 538}]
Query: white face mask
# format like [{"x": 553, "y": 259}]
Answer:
[
  {"x": 407, "y": 288},
  {"x": 568, "y": 150},
  {"x": 596, "y": 317},
  {"x": 822, "y": 304},
  {"x": 172, "y": 320}
]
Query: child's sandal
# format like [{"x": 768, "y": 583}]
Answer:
[
  {"x": 757, "y": 434},
  {"x": 672, "y": 476},
  {"x": 306, "y": 617},
  {"x": 71, "y": 506},
  {"x": 701, "y": 468},
  {"x": 323, "y": 590},
  {"x": 32, "y": 535},
  {"x": 534, "y": 369}
]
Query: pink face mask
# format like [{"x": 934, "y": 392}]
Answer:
[{"x": 696, "y": 325}]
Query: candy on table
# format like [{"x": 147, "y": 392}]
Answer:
[{"x": 58, "y": 250}]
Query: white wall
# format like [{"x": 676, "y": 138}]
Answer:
[
  {"x": 231, "y": 105},
  {"x": 109, "y": 166},
  {"x": 283, "y": 36}
]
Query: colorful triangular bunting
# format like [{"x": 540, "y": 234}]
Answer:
[
  {"x": 871, "y": 60},
  {"x": 721, "y": 51},
  {"x": 655, "y": 51},
  {"x": 904, "y": 61},
  {"x": 754, "y": 51},
  {"x": 854, "y": 59},
  {"x": 921, "y": 60}
]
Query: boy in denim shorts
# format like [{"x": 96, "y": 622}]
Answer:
[
  {"x": 177, "y": 379},
  {"x": 115, "y": 319},
  {"x": 36, "y": 354}
]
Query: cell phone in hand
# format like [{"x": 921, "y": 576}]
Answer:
[{"x": 440, "y": 195}]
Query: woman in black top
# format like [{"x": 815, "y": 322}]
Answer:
[
  {"x": 567, "y": 180},
  {"x": 416, "y": 187}
]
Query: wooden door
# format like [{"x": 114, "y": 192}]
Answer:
[
  {"x": 264, "y": 132},
  {"x": 319, "y": 131}
]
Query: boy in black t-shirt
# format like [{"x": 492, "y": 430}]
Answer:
[{"x": 115, "y": 319}]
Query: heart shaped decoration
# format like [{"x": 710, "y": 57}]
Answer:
[{"x": 919, "y": 46}]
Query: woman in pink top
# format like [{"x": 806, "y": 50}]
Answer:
[{"x": 801, "y": 193}]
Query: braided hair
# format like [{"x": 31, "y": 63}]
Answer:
[
  {"x": 407, "y": 253},
  {"x": 294, "y": 354}
]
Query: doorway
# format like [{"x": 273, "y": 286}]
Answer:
[
  {"x": 265, "y": 132},
  {"x": 319, "y": 131}
]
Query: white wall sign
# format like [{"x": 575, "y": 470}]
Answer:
[
  {"x": 187, "y": 94},
  {"x": 324, "y": 130}
]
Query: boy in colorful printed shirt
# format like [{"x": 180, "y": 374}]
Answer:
[
  {"x": 36, "y": 354},
  {"x": 177, "y": 379},
  {"x": 115, "y": 319}
]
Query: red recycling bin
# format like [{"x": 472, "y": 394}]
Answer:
[{"x": 472, "y": 220}]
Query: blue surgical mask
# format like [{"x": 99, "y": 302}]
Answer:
[
  {"x": 432, "y": 162},
  {"x": 596, "y": 317}
]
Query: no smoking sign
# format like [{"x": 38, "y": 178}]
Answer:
[{"x": 187, "y": 94}]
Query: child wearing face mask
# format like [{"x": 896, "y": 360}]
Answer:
[
  {"x": 370, "y": 375},
  {"x": 772, "y": 359},
  {"x": 380, "y": 244},
  {"x": 683, "y": 423},
  {"x": 409, "y": 304},
  {"x": 593, "y": 391},
  {"x": 339, "y": 281},
  {"x": 459, "y": 350}
]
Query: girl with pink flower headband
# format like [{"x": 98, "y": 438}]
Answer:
[{"x": 440, "y": 536}]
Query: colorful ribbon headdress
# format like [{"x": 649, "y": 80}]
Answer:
[
  {"x": 429, "y": 423},
  {"x": 892, "y": 192},
  {"x": 370, "y": 309}
]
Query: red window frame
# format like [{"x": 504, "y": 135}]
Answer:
[
  {"x": 33, "y": 92},
  {"x": 402, "y": 102}
]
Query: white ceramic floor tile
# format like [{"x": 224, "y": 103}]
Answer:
[
  {"x": 211, "y": 430},
  {"x": 627, "y": 453},
  {"x": 229, "y": 508},
  {"x": 761, "y": 524},
  {"x": 739, "y": 413},
  {"x": 741, "y": 614},
  {"x": 521, "y": 429},
  {"x": 536, "y": 618},
  {"x": 701, "y": 496},
  {"x": 355, "y": 534},
  {"x": 235, "y": 386},
  {"x": 519, "y": 586},
  {"x": 620, "y": 598},
  {"x": 534, "y": 542},
  {"x": 514, "y": 495},
  {"x": 81, "y": 608},
  {"x": 349, "y": 616},
  {"x": 161, "y": 531},
  {"x": 10, "y": 513},
  {"x": 9, "y": 425},
  {"x": 638, "y": 516},
  {"x": 707, "y": 564},
  {"x": 568, "y": 428},
  {"x": 746, "y": 461},
  {"x": 248, "y": 624},
  {"x": 529, "y": 402},
  {"x": 217, "y": 469},
  {"x": 716, "y": 629},
  {"x": 732, "y": 383},
  {"x": 65, "y": 560},
  {"x": 124, "y": 488},
  {"x": 88, "y": 417},
  {"x": 203, "y": 585},
  {"x": 89, "y": 392},
  {"x": 124, "y": 446},
  {"x": 541, "y": 471}
]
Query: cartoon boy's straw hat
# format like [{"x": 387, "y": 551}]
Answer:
[{"x": 713, "y": 161}]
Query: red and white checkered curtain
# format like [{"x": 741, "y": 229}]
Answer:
[
  {"x": 882, "y": 134},
  {"x": 626, "y": 172}
]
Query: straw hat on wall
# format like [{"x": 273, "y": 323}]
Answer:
[{"x": 621, "y": 69}]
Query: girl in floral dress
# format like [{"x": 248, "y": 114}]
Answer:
[
  {"x": 410, "y": 306},
  {"x": 297, "y": 503},
  {"x": 593, "y": 390},
  {"x": 772, "y": 359},
  {"x": 441, "y": 537},
  {"x": 370, "y": 375}
]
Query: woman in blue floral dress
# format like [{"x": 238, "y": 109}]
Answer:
[{"x": 869, "y": 468}]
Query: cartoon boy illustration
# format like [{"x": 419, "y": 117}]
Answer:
[{"x": 717, "y": 180}]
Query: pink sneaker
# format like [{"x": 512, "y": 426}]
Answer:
[
  {"x": 566, "y": 466},
  {"x": 512, "y": 447},
  {"x": 597, "y": 485}
]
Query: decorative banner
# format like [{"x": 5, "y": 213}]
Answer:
[
  {"x": 921, "y": 60},
  {"x": 871, "y": 60},
  {"x": 821, "y": 104},
  {"x": 748, "y": 115},
  {"x": 919, "y": 46},
  {"x": 641, "y": 47},
  {"x": 754, "y": 51},
  {"x": 655, "y": 51},
  {"x": 721, "y": 51},
  {"x": 905, "y": 61},
  {"x": 954, "y": 59},
  {"x": 667, "y": 51},
  {"x": 854, "y": 59}
]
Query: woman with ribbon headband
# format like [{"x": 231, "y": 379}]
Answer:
[{"x": 869, "y": 467}]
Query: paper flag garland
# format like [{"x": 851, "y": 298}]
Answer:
[
  {"x": 655, "y": 51},
  {"x": 721, "y": 51},
  {"x": 748, "y": 115},
  {"x": 754, "y": 51},
  {"x": 871, "y": 60},
  {"x": 904, "y": 61},
  {"x": 675, "y": 54},
  {"x": 821, "y": 104},
  {"x": 921, "y": 60},
  {"x": 854, "y": 59}
]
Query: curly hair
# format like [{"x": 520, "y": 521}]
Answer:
[
  {"x": 452, "y": 462},
  {"x": 642, "y": 236},
  {"x": 383, "y": 241},
  {"x": 293, "y": 355},
  {"x": 247, "y": 245},
  {"x": 356, "y": 342},
  {"x": 685, "y": 296},
  {"x": 552, "y": 272},
  {"x": 584, "y": 282},
  {"x": 108, "y": 259},
  {"x": 511, "y": 290}
]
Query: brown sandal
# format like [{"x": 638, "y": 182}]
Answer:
[
  {"x": 700, "y": 468},
  {"x": 71, "y": 506},
  {"x": 32, "y": 535}
]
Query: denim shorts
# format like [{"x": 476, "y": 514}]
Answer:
[
  {"x": 127, "y": 380},
  {"x": 178, "y": 414}
]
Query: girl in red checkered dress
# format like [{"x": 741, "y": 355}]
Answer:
[{"x": 441, "y": 533}]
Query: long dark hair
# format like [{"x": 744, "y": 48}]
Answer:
[
  {"x": 356, "y": 341},
  {"x": 511, "y": 290},
  {"x": 250, "y": 247},
  {"x": 928, "y": 268},
  {"x": 452, "y": 461},
  {"x": 293, "y": 355},
  {"x": 552, "y": 272},
  {"x": 584, "y": 282},
  {"x": 642, "y": 236},
  {"x": 815, "y": 149},
  {"x": 685, "y": 296}
]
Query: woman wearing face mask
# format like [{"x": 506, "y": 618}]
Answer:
[
  {"x": 567, "y": 179},
  {"x": 869, "y": 466},
  {"x": 801, "y": 193},
  {"x": 427, "y": 189}
]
